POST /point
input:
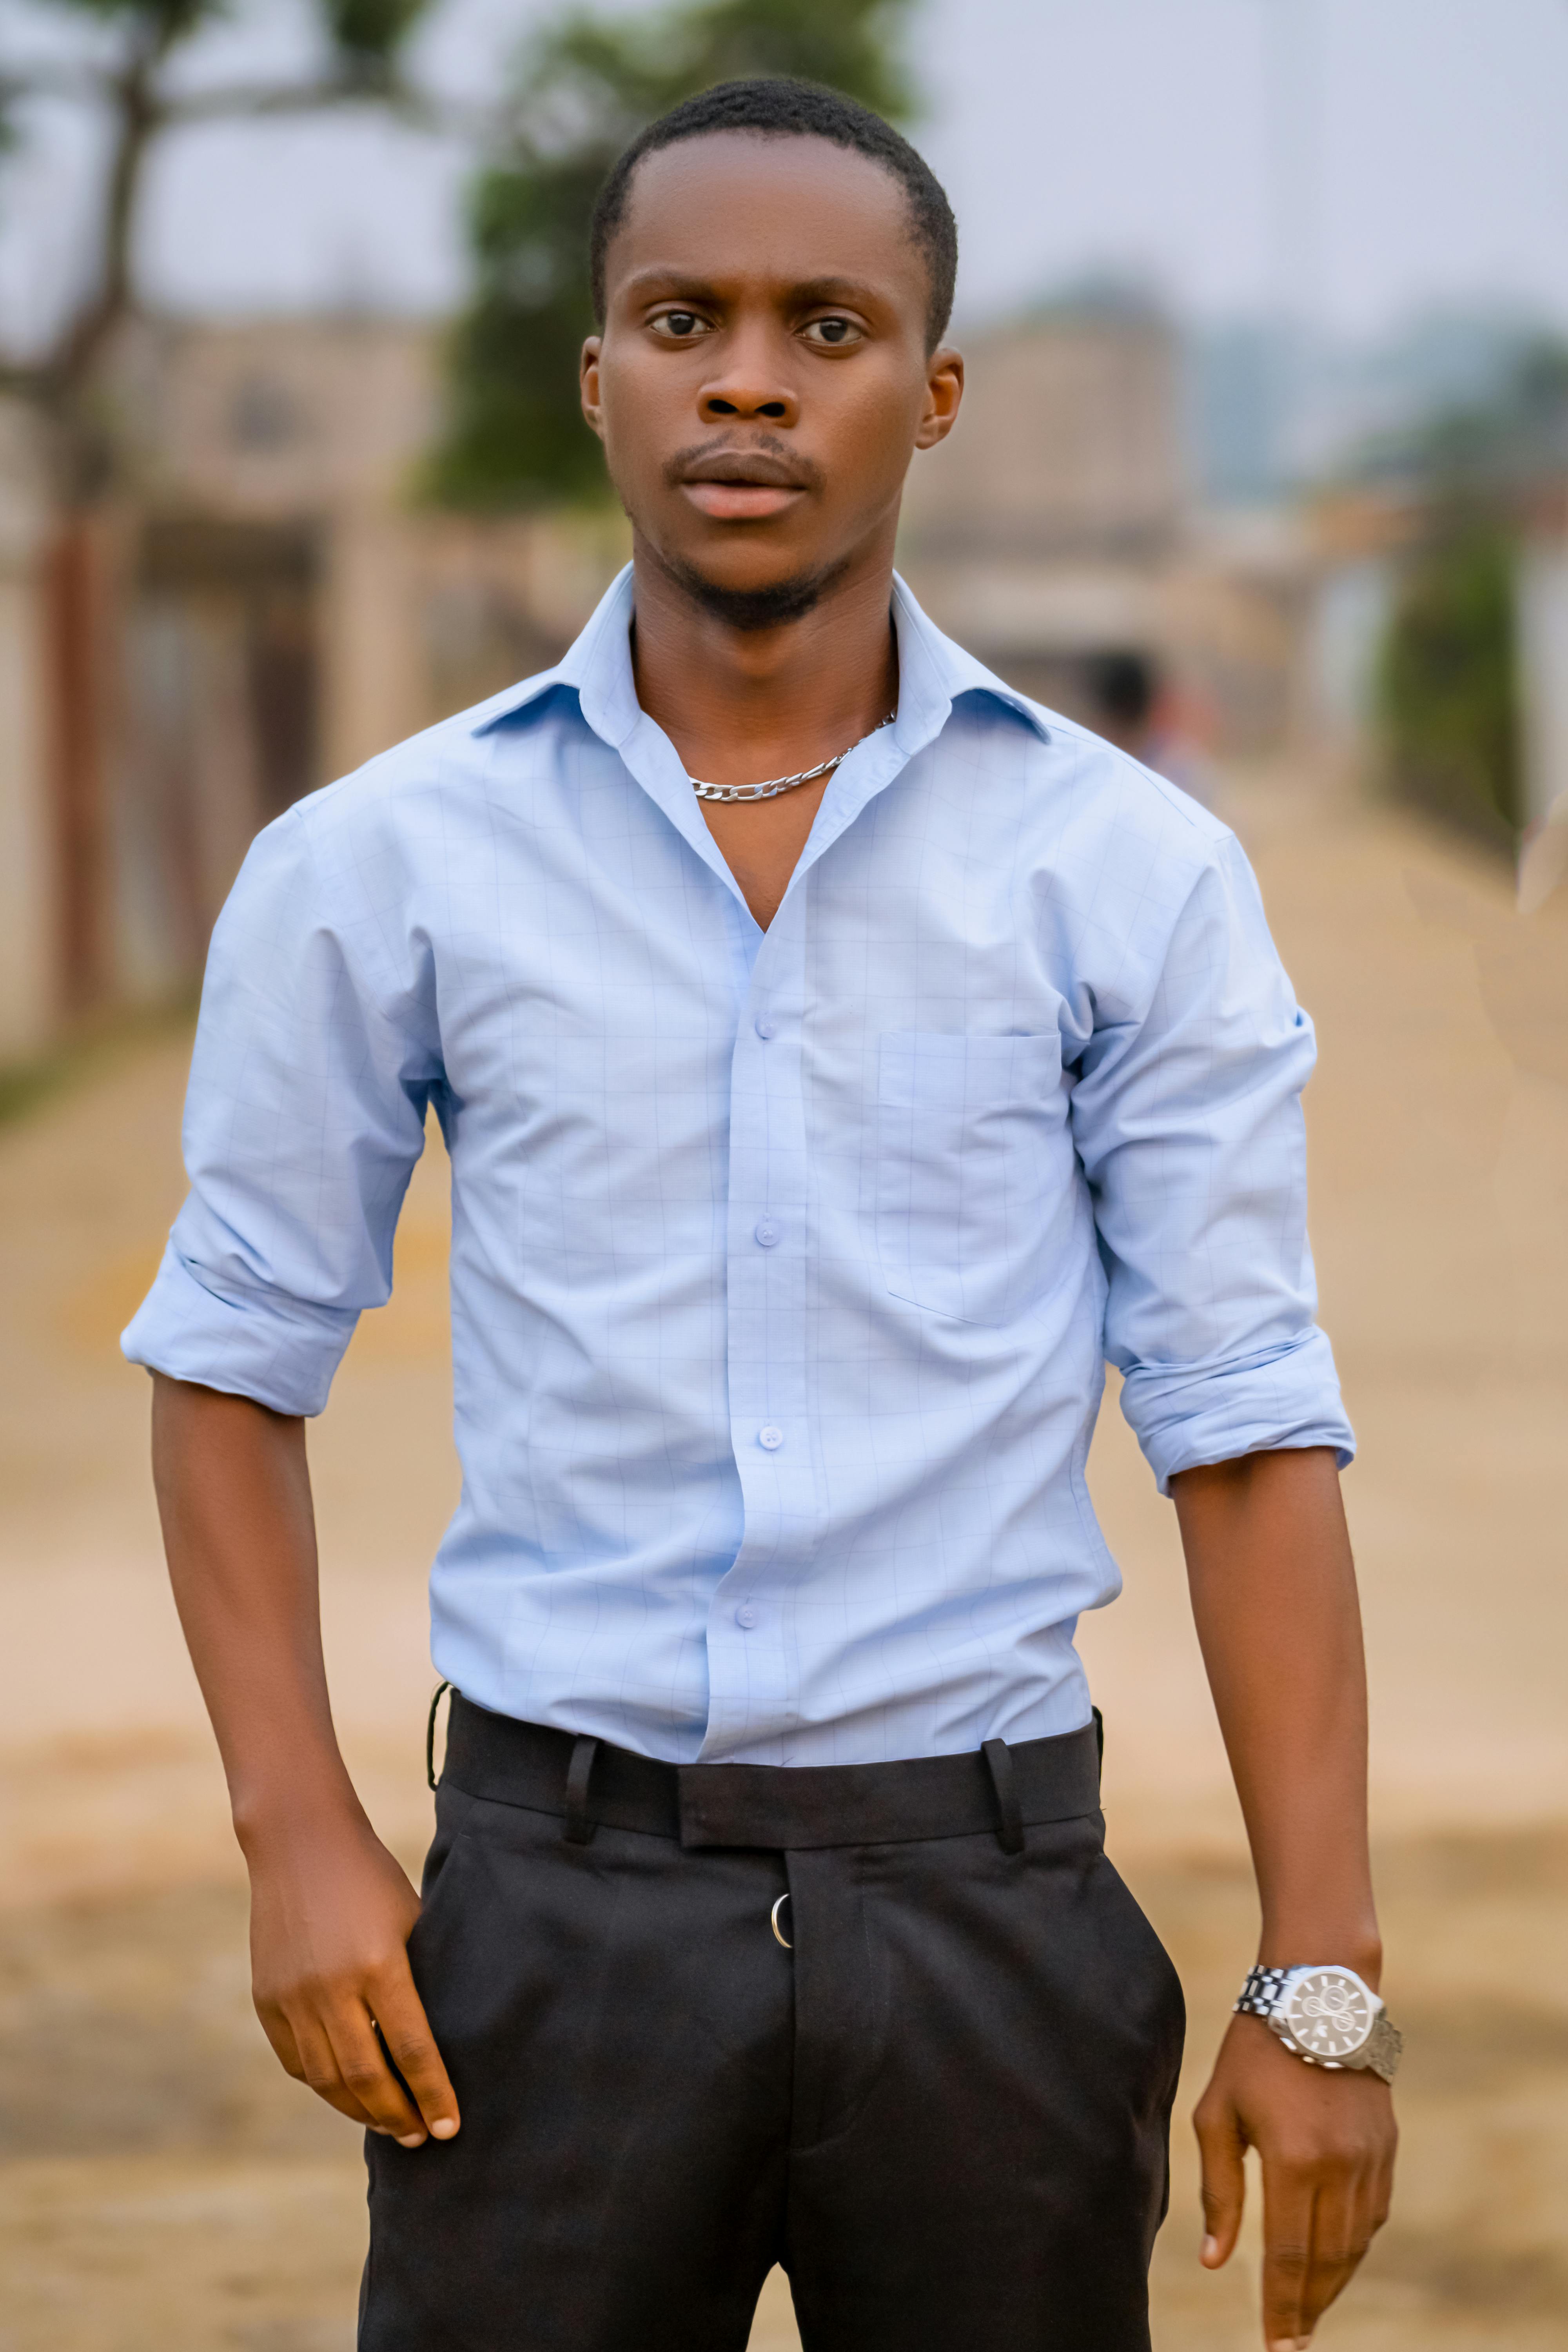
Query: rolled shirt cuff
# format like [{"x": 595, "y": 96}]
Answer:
[
  {"x": 248, "y": 1341},
  {"x": 1286, "y": 1397}
]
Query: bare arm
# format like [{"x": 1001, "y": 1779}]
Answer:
[
  {"x": 1274, "y": 1597},
  {"x": 331, "y": 1908}
]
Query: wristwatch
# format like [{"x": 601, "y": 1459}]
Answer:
[{"x": 1325, "y": 2015}]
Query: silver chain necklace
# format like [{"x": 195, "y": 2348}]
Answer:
[{"x": 776, "y": 784}]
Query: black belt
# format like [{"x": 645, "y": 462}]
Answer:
[{"x": 783, "y": 1807}]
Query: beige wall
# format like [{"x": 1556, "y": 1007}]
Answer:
[
  {"x": 425, "y": 613},
  {"x": 291, "y": 608},
  {"x": 278, "y": 418},
  {"x": 325, "y": 423},
  {"x": 1068, "y": 442},
  {"x": 1056, "y": 523}
]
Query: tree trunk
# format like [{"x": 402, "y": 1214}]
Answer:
[{"x": 76, "y": 637}]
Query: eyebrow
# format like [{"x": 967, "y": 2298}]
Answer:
[{"x": 669, "y": 277}]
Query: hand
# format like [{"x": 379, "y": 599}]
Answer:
[
  {"x": 330, "y": 1915},
  {"x": 1327, "y": 2142}
]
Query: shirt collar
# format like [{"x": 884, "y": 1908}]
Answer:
[{"x": 933, "y": 672}]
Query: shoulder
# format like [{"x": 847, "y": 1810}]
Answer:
[
  {"x": 454, "y": 759},
  {"x": 1109, "y": 787},
  {"x": 367, "y": 857},
  {"x": 419, "y": 811},
  {"x": 1116, "y": 865},
  {"x": 1091, "y": 825}
]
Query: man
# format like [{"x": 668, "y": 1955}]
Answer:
[
  {"x": 1132, "y": 707},
  {"x": 838, "y": 1055}
]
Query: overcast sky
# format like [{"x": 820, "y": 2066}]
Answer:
[{"x": 1356, "y": 160}]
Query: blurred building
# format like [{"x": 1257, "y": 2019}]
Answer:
[
  {"x": 1058, "y": 527},
  {"x": 268, "y": 606},
  {"x": 292, "y": 607}
]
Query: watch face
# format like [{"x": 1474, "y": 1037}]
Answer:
[{"x": 1328, "y": 2014}]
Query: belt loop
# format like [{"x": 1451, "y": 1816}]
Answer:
[
  {"x": 430, "y": 1735},
  {"x": 579, "y": 1829},
  {"x": 1005, "y": 1781},
  {"x": 1099, "y": 1738}
]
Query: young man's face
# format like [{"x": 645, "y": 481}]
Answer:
[{"x": 763, "y": 377}]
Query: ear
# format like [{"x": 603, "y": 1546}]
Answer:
[
  {"x": 944, "y": 391},
  {"x": 588, "y": 378}
]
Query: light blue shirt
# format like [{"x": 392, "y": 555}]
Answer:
[{"x": 783, "y": 1263}]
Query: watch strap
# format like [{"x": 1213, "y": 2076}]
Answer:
[
  {"x": 1260, "y": 1994},
  {"x": 1384, "y": 2047}
]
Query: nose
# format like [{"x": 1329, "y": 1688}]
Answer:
[
  {"x": 748, "y": 388},
  {"x": 747, "y": 400}
]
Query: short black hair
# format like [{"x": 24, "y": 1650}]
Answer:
[{"x": 777, "y": 106}]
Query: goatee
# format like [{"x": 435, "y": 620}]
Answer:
[{"x": 770, "y": 607}]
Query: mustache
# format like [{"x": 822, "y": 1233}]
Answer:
[{"x": 766, "y": 460}]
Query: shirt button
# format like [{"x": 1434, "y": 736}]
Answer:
[
  {"x": 771, "y": 1435},
  {"x": 765, "y": 1027},
  {"x": 746, "y": 1616},
  {"x": 767, "y": 1233}
]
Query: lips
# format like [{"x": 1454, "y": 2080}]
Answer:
[
  {"x": 742, "y": 486},
  {"x": 741, "y": 502}
]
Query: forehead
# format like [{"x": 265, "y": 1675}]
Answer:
[{"x": 786, "y": 210}]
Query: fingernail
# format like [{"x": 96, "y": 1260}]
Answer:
[
  {"x": 413, "y": 2139},
  {"x": 443, "y": 2128},
  {"x": 1209, "y": 2251}
]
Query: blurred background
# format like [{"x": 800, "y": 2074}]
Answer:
[{"x": 1263, "y": 471}]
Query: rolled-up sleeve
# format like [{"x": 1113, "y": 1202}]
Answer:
[
  {"x": 1187, "y": 1118},
  {"x": 303, "y": 1120}
]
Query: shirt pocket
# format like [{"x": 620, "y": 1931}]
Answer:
[{"x": 963, "y": 1165}]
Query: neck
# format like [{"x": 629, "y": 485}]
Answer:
[{"x": 741, "y": 705}]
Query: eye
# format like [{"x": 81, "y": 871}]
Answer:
[
  {"x": 834, "y": 332},
  {"x": 678, "y": 325}
]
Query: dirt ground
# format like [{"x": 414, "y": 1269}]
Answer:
[{"x": 161, "y": 2185}]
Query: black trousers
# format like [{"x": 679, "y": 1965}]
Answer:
[{"x": 944, "y": 2110}]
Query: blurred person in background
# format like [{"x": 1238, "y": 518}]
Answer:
[
  {"x": 838, "y": 1057},
  {"x": 1136, "y": 708},
  {"x": 1124, "y": 689}
]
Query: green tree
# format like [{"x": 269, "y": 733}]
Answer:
[
  {"x": 515, "y": 436},
  {"x": 1447, "y": 680}
]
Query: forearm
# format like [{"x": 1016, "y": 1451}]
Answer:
[
  {"x": 331, "y": 1910},
  {"x": 1274, "y": 1598},
  {"x": 234, "y": 1494}
]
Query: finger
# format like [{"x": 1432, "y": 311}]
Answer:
[
  {"x": 411, "y": 2046},
  {"x": 1221, "y": 2148},
  {"x": 1380, "y": 2196},
  {"x": 1342, "y": 2231},
  {"x": 318, "y": 2067},
  {"x": 363, "y": 2067},
  {"x": 1382, "y": 2192},
  {"x": 280, "y": 2034},
  {"x": 1288, "y": 2202}
]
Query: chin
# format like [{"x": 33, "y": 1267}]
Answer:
[{"x": 758, "y": 604}]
